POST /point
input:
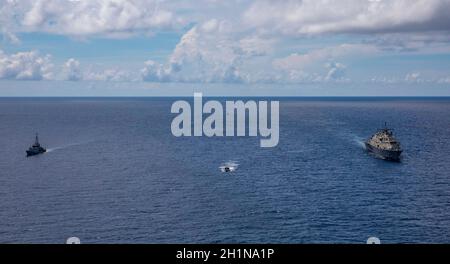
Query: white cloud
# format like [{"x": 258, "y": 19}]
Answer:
[
  {"x": 429, "y": 42},
  {"x": 155, "y": 72},
  {"x": 348, "y": 16},
  {"x": 415, "y": 77},
  {"x": 113, "y": 75},
  {"x": 72, "y": 71},
  {"x": 300, "y": 61},
  {"x": 308, "y": 66},
  {"x": 83, "y": 17},
  {"x": 210, "y": 25},
  {"x": 444, "y": 80},
  {"x": 412, "y": 77},
  {"x": 234, "y": 41},
  {"x": 336, "y": 71},
  {"x": 206, "y": 53},
  {"x": 296, "y": 76},
  {"x": 220, "y": 55},
  {"x": 291, "y": 17},
  {"x": 25, "y": 66},
  {"x": 10, "y": 37},
  {"x": 256, "y": 46}
]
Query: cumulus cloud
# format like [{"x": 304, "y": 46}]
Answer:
[
  {"x": 291, "y": 17},
  {"x": 304, "y": 67},
  {"x": 206, "y": 53},
  {"x": 417, "y": 42},
  {"x": 331, "y": 72},
  {"x": 72, "y": 71},
  {"x": 213, "y": 49},
  {"x": 155, "y": 72},
  {"x": 415, "y": 77},
  {"x": 336, "y": 71},
  {"x": 252, "y": 41},
  {"x": 25, "y": 66},
  {"x": 348, "y": 16},
  {"x": 294, "y": 76},
  {"x": 211, "y": 52},
  {"x": 301, "y": 61},
  {"x": 412, "y": 77},
  {"x": 106, "y": 17},
  {"x": 256, "y": 46},
  {"x": 444, "y": 80},
  {"x": 113, "y": 75},
  {"x": 10, "y": 37}
]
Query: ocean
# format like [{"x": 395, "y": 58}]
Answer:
[{"x": 114, "y": 173}]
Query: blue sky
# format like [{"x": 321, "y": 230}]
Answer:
[{"x": 239, "y": 47}]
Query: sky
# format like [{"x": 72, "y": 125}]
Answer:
[{"x": 229, "y": 48}]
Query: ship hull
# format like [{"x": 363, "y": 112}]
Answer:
[
  {"x": 384, "y": 154},
  {"x": 34, "y": 153}
]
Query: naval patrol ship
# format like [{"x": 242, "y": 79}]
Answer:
[
  {"x": 36, "y": 148},
  {"x": 384, "y": 145}
]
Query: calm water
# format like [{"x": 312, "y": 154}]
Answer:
[{"x": 115, "y": 174}]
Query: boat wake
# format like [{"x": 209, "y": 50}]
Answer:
[
  {"x": 359, "y": 141},
  {"x": 66, "y": 146}
]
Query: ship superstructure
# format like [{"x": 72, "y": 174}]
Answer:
[{"x": 384, "y": 145}]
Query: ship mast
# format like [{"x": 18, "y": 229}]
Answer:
[{"x": 36, "y": 142}]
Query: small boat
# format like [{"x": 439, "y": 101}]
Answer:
[
  {"x": 36, "y": 148},
  {"x": 228, "y": 167},
  {"x": 384, "y": 145}
]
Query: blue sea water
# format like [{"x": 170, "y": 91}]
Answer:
[{"x": 115, "y": 174}]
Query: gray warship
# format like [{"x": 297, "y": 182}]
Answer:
[
  {"x": 384, "y": 145},
  {"x": 36, "y": 149}
]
